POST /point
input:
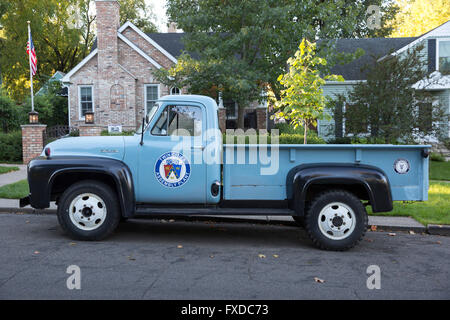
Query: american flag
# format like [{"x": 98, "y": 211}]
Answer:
[{"x": 32, "y": 53}]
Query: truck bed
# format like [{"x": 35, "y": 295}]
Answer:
[{"x": 245, "y": 181}]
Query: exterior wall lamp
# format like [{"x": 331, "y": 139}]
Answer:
[
  {"x": 89, "y": 117},
  {"x": 33, "y": 117}
]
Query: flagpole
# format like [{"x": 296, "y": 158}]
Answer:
[{"x": 29, "y": 62}]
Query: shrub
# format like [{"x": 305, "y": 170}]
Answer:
[
  {"x": 9, "y": 114},
  {"x": 437, "y": 157},
  {"x": 11, "y": 146},
  {"x": 123, "y": 133},
  {"x": 284, "y": 138}
]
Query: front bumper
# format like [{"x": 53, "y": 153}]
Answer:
[{"x": 23, "y": 202}]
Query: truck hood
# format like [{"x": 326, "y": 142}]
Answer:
[{"x": 108, "y": 146}]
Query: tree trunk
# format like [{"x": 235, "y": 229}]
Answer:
[
  {"x": 240, "y": 119},
  {"x": 305, "y": 123}
]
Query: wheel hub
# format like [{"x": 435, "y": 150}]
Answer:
[
  {"x": 87, "y": 211},
  {"x": 337, "y": 221}
]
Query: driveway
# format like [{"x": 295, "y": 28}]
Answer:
[{"x": 154, "y": 259}]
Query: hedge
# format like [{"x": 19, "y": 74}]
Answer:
[
  {"x": 11, "y": 146},
  {"x": 283, "y": 138}
]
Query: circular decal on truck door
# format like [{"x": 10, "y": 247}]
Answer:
[{"x": 172, "y": 169}]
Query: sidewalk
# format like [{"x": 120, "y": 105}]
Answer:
[{"x": 12, "y": 177}]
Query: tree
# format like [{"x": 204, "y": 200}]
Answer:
[
  {"x": 9, "y": 116},
  {"x": 302, "y": 100},
  {"x": 63, "y": 33},
  {"x": 242, "y": 46},
  {"x": 417, "y": 17},
  {"x": 387, "y": 106}
]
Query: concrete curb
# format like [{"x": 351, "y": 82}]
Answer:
[{"x": 439, "y": 230}]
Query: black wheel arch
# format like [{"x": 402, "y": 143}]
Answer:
[
  {"x": 366, "y": 182},
  {"x": 48, "y": 178}
]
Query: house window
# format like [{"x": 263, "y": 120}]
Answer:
[
  {"x": 175, "y": 91},
  {"x": 179, "y": 121},
  {"x": 86, "y": 100},
  {"x": 232, "y": 110},
  {"x": 151, "y": 96},
  {"x": 444, "y": 56}
]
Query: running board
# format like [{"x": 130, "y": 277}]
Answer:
[{"x": 214, "y": 211}]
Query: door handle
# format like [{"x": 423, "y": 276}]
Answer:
[{"x": 198, "y": 148}]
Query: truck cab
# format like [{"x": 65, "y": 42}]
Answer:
[{"x": 177, "y": 164}]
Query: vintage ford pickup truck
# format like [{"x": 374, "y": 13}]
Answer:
[{"x": 177, "y": 165}]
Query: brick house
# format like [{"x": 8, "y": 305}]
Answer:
[{"x": 116, "y": 82}]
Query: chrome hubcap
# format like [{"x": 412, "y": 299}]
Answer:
[
  {"x": 337, "y": 221},
  {"x": 87, "y": 211}
]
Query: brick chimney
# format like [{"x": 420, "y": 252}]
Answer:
[
  {"x": 108, "y": 20},
  {"x": 172, "y": 28}
]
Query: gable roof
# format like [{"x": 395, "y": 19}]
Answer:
[{"x": 376, "y": 47}]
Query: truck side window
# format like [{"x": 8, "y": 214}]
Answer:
[{"x": 179, "y": 121}]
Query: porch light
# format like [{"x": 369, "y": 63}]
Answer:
[
  {"x": 89, "y": 117},
  {"x": 33, "y": 117}
]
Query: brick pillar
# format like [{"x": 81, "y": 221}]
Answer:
[
  {"x": 261, "y": 118},
  {"x": 32, "y": 141},
  {"x": 89, "y": 130},
  {"x": 222, "y": 119}
]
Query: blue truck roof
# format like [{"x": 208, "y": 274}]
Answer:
[{"x": 206, "y": 101}]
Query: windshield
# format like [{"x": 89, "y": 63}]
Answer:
[{"x": 149, "y": 117}]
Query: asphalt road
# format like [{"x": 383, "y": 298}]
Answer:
[{"x": 151, "y": 259}]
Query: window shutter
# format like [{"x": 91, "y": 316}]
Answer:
[{"x": 431, "y": 55}]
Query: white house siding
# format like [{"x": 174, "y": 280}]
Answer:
[
  {"x": 444, "y": 102},
  {"x": 325, "y": 128}
]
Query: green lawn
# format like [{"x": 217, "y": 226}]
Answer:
[
  {"x": 439, "y": 170},
  {"x": 436, "y": 210},
  {"x": 8, "y": 169},
  {"x": 15, "y": 190}
]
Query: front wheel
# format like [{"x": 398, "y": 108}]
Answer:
[
  {"x": 336, "y": 220},
  {"x": 88, "y": 210}
]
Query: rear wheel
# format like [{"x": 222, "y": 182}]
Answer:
[
  {"x": 88, "y": 210},
  {"x": 336, "y": 220}
]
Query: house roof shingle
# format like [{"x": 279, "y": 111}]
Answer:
[{"x": 378, "y": 47}]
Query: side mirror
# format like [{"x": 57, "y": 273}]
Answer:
[{"x": 142, "y": 131}]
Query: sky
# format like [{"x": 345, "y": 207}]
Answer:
[{"x": 159, "y": 11}]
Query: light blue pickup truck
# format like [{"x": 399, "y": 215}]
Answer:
[{"x": 177, "y": 165}]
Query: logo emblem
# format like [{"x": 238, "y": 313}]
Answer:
[
  {"x": 172, "y": 169},
  {"x": 401, "y": 166}
]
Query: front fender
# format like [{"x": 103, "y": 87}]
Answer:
[
  {"x": 372, "y": 180},
  {"x": 42, "y": 173}
]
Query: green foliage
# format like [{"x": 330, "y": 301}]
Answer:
[
  {"x": 4, "y": 170},
  {"x": 283, "y": 138},
  {"x": 123, "y": 133},
  {"x": 302, "y": 100},
  {"x": 9, "y": 114},
  {"x": 11, "y": 146},
  {"x": 139, "y": 13},
  {"x": 387, "y": 107},
  {"x": 15, "y": 190},
  {"x": 440, "y": 170},
  {"x": 437, "y": 157}
]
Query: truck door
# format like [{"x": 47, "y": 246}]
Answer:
[{"x": 171, "y": 166}]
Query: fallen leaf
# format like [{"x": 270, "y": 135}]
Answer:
[
  {"x": 275, "y": 256},
  {"x": 438, "y": 242},
  {"x": 411, "y": 232},
  {"x": 211, "y": 256},
  {"x": 72, "y": 243},
  {"x": 36, "y": 252},
  {"x": 179, "y": 246},
  {"x": 373, "y": 228},
  {"x": 171, "y": 220},
  {"x": 163, "y": 220},
  {"x": 131, "y": 258},
  {"x": 392, "y": 234},
  {"x": 262, "y": 256},
  {"x": 369, "y": 240},
  {"x": 27, "y": 221},
  {"x": 318, "y": 280}
]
